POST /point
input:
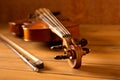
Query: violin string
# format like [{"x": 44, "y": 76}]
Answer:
[
  {"x": 51, "y": 26},
  {"x": 51, "y": 21},
  {"x": 56, "y": 20}
]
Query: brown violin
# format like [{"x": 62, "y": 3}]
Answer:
[
  {"x": 31, "y": 28},
  {"x": 46, "y": 27}
]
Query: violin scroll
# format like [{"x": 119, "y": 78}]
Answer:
[
  {"x": 72, "y": 51},
  {"x": 75, "y": 52}
]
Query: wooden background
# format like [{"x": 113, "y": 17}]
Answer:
[
  {"x": 103, "y": 62},
  {"x": 83, "y": 11}
]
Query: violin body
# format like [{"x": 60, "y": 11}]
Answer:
[
  {"x": 16, "y": 27},
  {"x": 39, "y": 31}
]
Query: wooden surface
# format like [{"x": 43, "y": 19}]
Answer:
[
  {"x": 103, "y": 62},
  {"x": 85, "y": 11}
]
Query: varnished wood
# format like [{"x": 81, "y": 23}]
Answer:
[{"x": 103, "y": 63}]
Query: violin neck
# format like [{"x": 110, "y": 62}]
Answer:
[{"x": 54, "y": 24}]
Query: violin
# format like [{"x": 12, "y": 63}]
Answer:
[
  {"x": 30, "y": 29},
  {"x": 46, "y": 27}
]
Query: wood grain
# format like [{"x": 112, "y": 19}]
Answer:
[
  {"x": 83, "y": 11},
  {"x": 102, "y": 63}
]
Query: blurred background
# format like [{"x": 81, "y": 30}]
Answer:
[
  {"x": 99, "y": 24},
  {"x": 83, "y": 11}
]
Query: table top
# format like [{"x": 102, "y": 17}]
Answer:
[{"x": 102, "y": 63}]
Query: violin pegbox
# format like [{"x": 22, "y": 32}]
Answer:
[{"x": 82, "y": 43}]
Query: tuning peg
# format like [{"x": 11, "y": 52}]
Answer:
[
  {"x": 86, "y": 50},
  {"x": 59, "y": 57},
  {"x": 83, "y": 42},
  {"x": 57, "y": 47},
  {"x": 31, "y": 15},
  {"x": 56, "y": 13}
]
